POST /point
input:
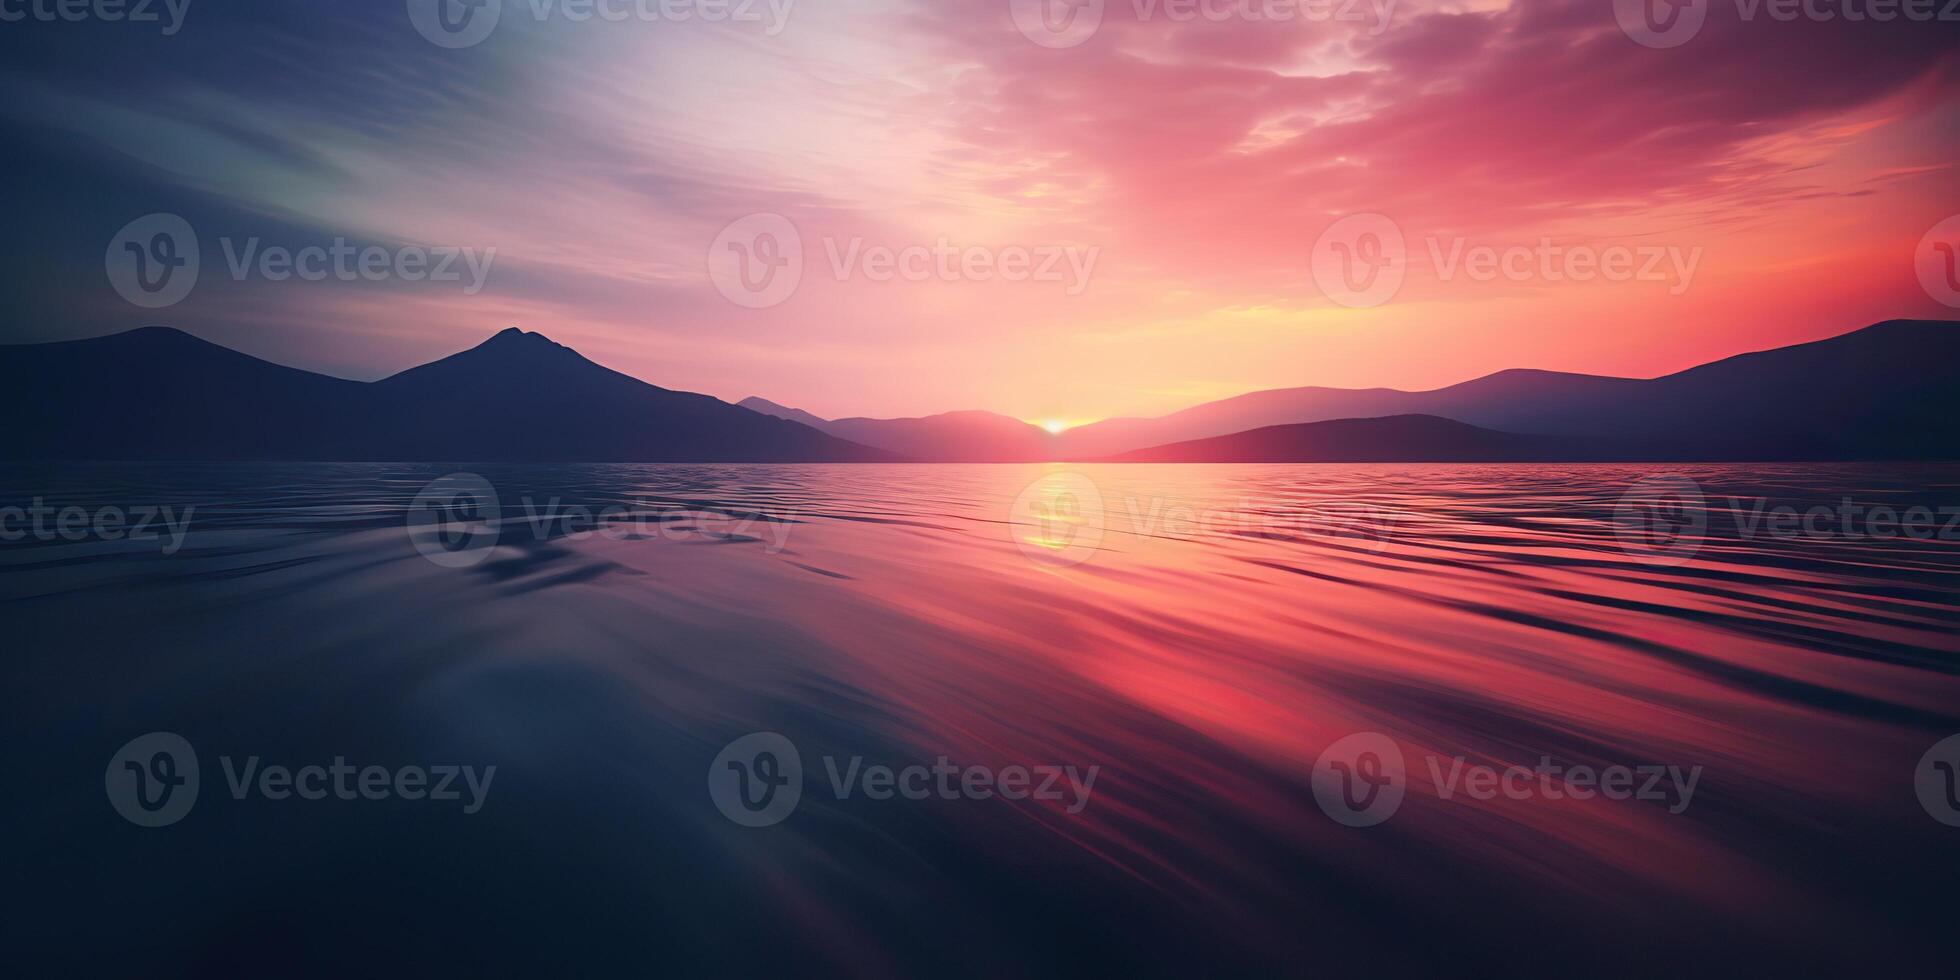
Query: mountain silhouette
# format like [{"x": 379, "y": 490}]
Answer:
[
  {"x": 951, "y": 437},
  {"x": 1394, "y": 439},
  {"x": 1889, "y": 391},
  {"x": 768, "y": 407},
  {"x": 159, "y": 393}
]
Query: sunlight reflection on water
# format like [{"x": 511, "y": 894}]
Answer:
[{"x": 1201, "y": 633}]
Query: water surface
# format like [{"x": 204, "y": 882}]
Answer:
[{"x": 1199, "y": 633}]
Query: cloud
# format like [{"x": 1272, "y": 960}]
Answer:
[{"x": 1201, "y": 157}]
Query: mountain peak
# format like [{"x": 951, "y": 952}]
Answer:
[
  {"x": 517, "y": 337},
  {"x": 156, "y": 334},
  {"x": 518, "y": 346},
  {"x": 511, "y": 356}
]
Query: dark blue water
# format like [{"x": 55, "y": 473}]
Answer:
[{"x": 1201, "y": 637}]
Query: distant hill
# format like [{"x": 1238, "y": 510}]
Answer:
[
  {"x": 159, "y": 393},
  {"x": 1394, "y": 439},
  {"x": 1889, "y": 391},
  {"x": 952, "y": 437},
  {"x": 767, "y": 407}
]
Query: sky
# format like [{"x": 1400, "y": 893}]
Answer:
[{"x": 900, "y": 207}]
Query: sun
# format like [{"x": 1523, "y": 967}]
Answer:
[{"x": 1055, "y": 427}]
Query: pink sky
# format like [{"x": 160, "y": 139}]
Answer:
[{"x": 1798, "y": 164}]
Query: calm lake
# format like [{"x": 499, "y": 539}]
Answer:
[{"x": 1646, "y": 717}]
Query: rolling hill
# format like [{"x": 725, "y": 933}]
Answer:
[
  {"x": 1393, "y": 439},
  {"x": 159, "y": 393},
  {"x": 1889, "y": 391},
  {"x": 952, "y": 437}
]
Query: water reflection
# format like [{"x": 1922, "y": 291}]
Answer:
[{"x": 1201, "y": 633}]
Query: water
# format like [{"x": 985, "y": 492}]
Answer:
[{"x": 1199, "y": 634}]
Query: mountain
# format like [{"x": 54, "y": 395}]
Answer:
[
  {"x": 952, "y": 437},
  {"x": 767, "y": 407},
  {"x": 956, "y": 437},
  {"x": 159, "y": 393},
  {"x": 1394, "y": 439},
  {"x": 1888, "y": 391}
]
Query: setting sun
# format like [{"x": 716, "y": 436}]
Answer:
[{"x": 1139, "y": 487}]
